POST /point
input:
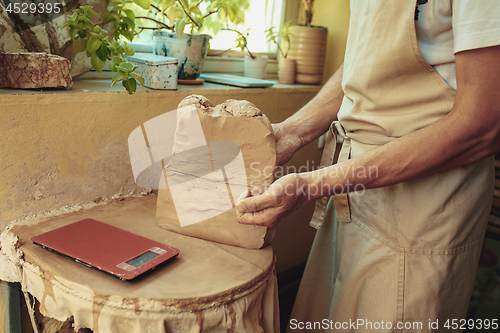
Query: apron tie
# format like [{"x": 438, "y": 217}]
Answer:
[{"x": 341, "y": 200}]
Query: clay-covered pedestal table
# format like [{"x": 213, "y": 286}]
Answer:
[{"x": 209, "y": 287}]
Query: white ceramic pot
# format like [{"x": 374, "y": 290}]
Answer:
[
  {"x": 190, "y": 51},
  {"x": 255, "y": 68}
]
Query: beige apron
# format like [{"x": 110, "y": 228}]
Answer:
[{"x": 400, "y": 258}]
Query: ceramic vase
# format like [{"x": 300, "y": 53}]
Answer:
[
  {"x": 286, "y": 71},
  {"x": 308, "y": 48},
  {"x": 190, "y": 51}
]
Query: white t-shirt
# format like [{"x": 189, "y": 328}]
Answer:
[{"x": 445, "y": 27}]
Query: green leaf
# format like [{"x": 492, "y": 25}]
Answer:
[
  {"x": 97, "y": 63},
  {"x": 112, "y": 67},
  {"x": 83, "y": 19},
  {"x": 107, "y": 17},
  {"x": 102, "y": 52},
  {"x": 130, "y": 14},
  {"x": 92, "y": 13},
  {"x": 193, "y": 8},
  {"x": 127, "y": 66},
  {"x": 118, "y": 76},
  {"x": 138, "y": 78},
  {"x": 72, "y": 32},
  {"x": 79, "y": 45},
  {"x": 116, "y": 61},
  {"x": 142, "y": 3},
  {"x": 129, "y": 35},
  {"x": 130, "y": 85},
  {"x": 128, "y": 49},
  {"x": 129, "y": 22},
  {"x": 166, "y": 4},
  {"x": 179, "y": 27},
  {"x": 93, "y": 44}
]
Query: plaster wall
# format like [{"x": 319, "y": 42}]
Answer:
[{"x": 334, "y": 15}]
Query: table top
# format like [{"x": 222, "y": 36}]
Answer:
[{"x": 203, "y": 270}]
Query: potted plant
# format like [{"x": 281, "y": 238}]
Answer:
[
  {"x": 286, "y": 71},
  {"x": 308, "y": 48},
  {"x": 99, "y": 47},
  {"x": 169, "y": 38},
  {"x": 253, "y": 65},
  {"x": 191, "y": 48}
]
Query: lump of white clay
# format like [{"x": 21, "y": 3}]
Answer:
[
  {"x": 230, "y": 108},
  {"x": 201, "y": 102},
  {"x": 239, "y": 108}
]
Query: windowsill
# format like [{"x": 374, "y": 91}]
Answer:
[
  {"x": 213, "y": 64},
  {"x": 96, "y": 85}
]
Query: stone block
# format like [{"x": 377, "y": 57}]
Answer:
[{"x": 34, "y": 71}]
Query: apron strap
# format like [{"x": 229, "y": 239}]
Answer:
[{"x": 341, "y": 201}]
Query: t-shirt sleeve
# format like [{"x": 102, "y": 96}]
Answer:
[{"x": 476, "y": 24}]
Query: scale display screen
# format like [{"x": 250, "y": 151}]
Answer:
[{"x": 137, "y": 261}]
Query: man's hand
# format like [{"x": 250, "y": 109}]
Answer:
[
  {"x": 286, "y": 144},
  {"x": 280, "y": 199},
  {"x": 310, "y": 121}
]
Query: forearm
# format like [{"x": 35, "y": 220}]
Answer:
[
  {"x": 451, "y": 142},
  {"x": 315, "y": 117},
  {"x": 470, "y": 132}
]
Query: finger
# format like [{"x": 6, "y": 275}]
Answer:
[
  {"x": 267, "y": 218},
  {"x": 257, "y": 203},
  {"x": 258, "y": 190},
  {"x": 243, "y": 195}
]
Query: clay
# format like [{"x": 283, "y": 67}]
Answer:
[
  {"x": 230, "y": 108},
  {"x": 34, "y": 70},
  {"x": 200, "y": 102},
  {"x": 219, "y": 154}
]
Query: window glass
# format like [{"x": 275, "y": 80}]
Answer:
[{"x": 257, "y": 20}]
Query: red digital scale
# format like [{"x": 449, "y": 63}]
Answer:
[{"x": 107, "y": 248}]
